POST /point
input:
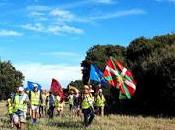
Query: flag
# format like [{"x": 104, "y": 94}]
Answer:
[
  {"x": 97, "y": 75},
  {"x": 30, "y": 86},
  {"x": 110, "y": 73},
  {"x": 56, "y": 88},
  {"x": 118, "y": 76},
  {"x": 128, "y": 79}
]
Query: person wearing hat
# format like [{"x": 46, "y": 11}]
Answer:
[
  {"x": 43, "y": 105},
  {"x": 50, "y": 102},
  {"x": 100, "y": 102},
  {"x": 77, "y": 103},
  {"x": 87, "y": 106},
  {"x": 20, "y": 103},
  {"x": 71, "y": 101},
  {"x": 59, "y": 104},
  {"x": 35, "y": 100}
]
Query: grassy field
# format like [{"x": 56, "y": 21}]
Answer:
[{"x": 111, "y": 122}]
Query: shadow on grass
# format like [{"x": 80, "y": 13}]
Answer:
[{"x": 66, "y": 124}]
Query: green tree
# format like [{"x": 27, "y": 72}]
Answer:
[
  {"x": 153, "y": 64},
  {"x": 10, "y": 78},
  {"x": 98, "y": 55},
  {"x": 77, "y": 83}
]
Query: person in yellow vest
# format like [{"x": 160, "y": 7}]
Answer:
[
  {"x": 71, "y": 101},
  {"x": 35, "y": 101},
  {"x": 20, "y": 103},
  {"x": 59, "y": 104},
  {"x": 43, "y": 105},
  {"x": 100, "y": 102},
  {"x": 10, "y": 108},
  {"x": 87, "y": 106}
]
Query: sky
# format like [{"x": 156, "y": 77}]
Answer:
[{"x": 47, "y": 39}]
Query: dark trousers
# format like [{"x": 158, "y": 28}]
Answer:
[
  {"x": 88, "y": 116},
  {"x": 43, "y": 110},
  {"x": 51, "y": 111},
  {"x": 70, "y": 107}
]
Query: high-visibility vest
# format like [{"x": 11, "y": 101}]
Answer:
[
  {"x": 87, "y": 102},
  {"x": 71, "y": 100},
  {"x": 19, "y": 103},
  {"x": 56, "y": 103},
  {"x": 100, "y": 100},
  {"x": 10, "y": 106},
  {"x": 44, "y": 99},
  {"x": 35, "y": 98}
]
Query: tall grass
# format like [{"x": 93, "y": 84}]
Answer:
[{"x": 111, "y": 122}]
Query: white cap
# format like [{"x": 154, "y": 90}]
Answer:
[
  {"x": 91, "y": 90},
  {"x": 35, "y": 85},
  {"x": 21, "y": 89},
  {"x": 100, "y": 90}
]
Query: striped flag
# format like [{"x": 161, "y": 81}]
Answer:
[{"x": 119, "y": 76}]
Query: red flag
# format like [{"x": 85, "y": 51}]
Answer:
[
  {"x": 110, "y": 72},
  {"x": 128, "y": 78},
  {"x": 119, "y": 76},
  {"x": 56, "y": 88}
]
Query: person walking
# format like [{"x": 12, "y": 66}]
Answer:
[
  {"x": 100, "y": 102},
  {"x": 43, "y": 108},
  {"x": 20, "y": 103},
  {"x": 50, "y": 102},
  {"x": 71, "y": 101},
  {"x": 59, "y": 104},
  {"x": 10, "y": 108},
  {"x": 87, "y": 106},
  {"x": 77, "y": 103},
  {"x": 35, "y": 100}
]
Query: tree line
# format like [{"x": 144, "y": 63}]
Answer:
[{"x": 152, "y": 61}]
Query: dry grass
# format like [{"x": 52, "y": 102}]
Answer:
[{"x": 111, "y": 122}]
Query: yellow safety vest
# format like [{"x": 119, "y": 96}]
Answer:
[
  {"x": 35, "y": 98},
  {"x": 44, "y": 99},
  {"x": 56, "y": 103},
  {"x": 10, "y": 106},
  {"x": 19, "y": 104},
  {"x": 71, "y": 100},
  {"x": 100, "y": 101},
  {"x": 87, "y": 102}
]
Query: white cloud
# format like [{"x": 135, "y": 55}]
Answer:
[
  {"x": 62, "y": 54},
  {"x": 36, "y": 14},
  {"x": 10, "y": 33},
  {"x": 119, "y": 14},
  {"x": 53, "y": 29},
  {"x": 38, "y": 27},
  {"x": 43, "y": 74},
  {"x": 83, "y": 3},
  {"x": 59, "y": 21},
  {"x": 65, "y": 14},
  {"x": 64, "y": 29}
]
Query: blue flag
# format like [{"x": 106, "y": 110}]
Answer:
[
  {"x": 30, "y": 86},
  {"x": 97, "y": 75}
]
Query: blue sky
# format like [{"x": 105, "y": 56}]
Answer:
[{"x": 49, "y": 38}]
